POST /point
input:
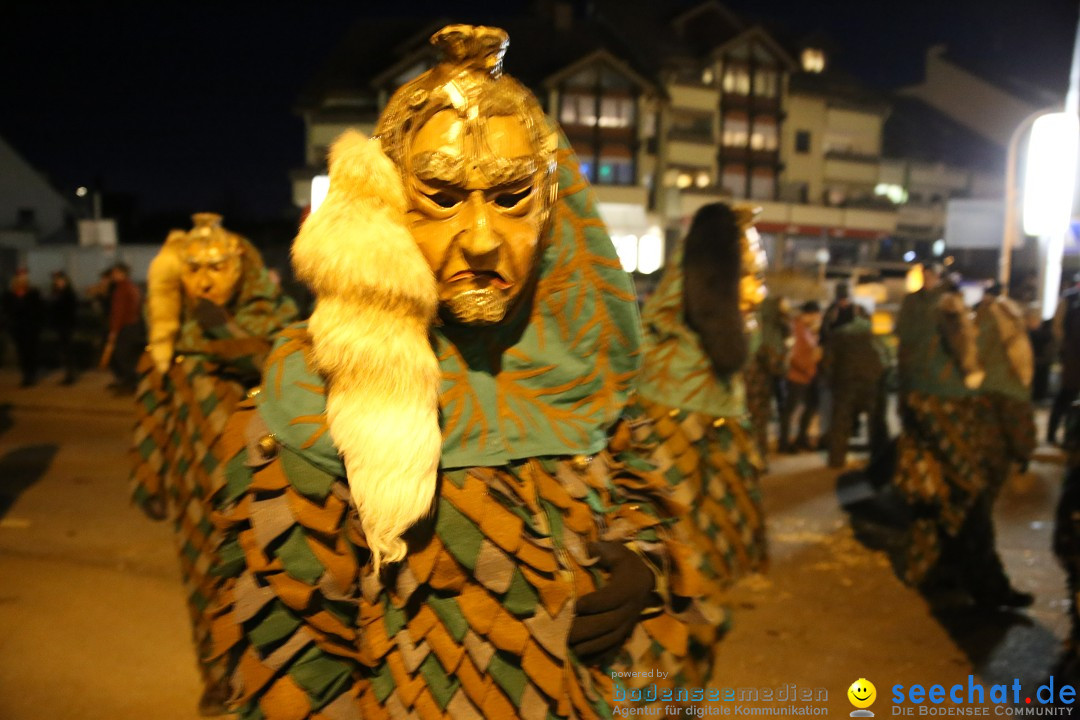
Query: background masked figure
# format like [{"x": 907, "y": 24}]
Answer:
[
  {"x": 430, "y": 510},
  {"x": 691, "y": 389},
  {"x": 1006, "y": 356},
  {"x": 940, "y": 472},
  {"x": 211, "y": 311}
]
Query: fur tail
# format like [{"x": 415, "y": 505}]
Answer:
[{"x": 375, "y": 302}]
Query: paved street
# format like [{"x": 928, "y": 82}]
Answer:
[{"x": 94, "y": 624}]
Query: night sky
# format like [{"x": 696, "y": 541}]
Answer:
[{"x": 188, "y": 106}]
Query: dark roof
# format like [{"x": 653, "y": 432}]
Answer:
[{"x": 916, "y": 131}]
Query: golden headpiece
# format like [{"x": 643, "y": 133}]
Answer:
[
  {"x": 469, "y": 80},
  {"x": 208, "y": 242}
]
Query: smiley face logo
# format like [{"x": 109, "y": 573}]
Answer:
[{"x": 862, "y": 693}]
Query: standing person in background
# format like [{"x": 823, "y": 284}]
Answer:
[
  {"x": 766, "y": 371},
  {"x": 126, "y": 336},
  {"x": 23, "y": 315},
  {"x": 802, "y": 386},
  {"x": 854, "y": 369},
  {"x": 63, "y": 309},
  {"x": 1066, "y": 327}
]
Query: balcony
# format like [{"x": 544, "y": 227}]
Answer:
[
  {"x": 690, "y": 135},
  {"x": 693, "y": 98},
  {"x": 692, "y": 154},
  {"x": 852, "y": 156}
]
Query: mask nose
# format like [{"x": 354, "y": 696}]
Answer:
[{"x": 479, "y": 243}]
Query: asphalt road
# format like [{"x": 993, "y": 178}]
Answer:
[{"x": 93, "y": 626}]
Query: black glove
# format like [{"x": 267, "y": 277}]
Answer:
[
  {"x": 606, "y": 617},
  {"x": 209, "y": 314}
]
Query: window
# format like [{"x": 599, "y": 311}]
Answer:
[
  {"x": 802, "y": 141},
  {"x": 736, "y": 130},
  {"x": 616, "y": 112},
  {"x": 694, "y": 125},
  {"x": 764, "y": 135},
  {"x": 577, "y": 109},
  {"x": 734, "y": 180},
  {"x": 766, "y": 83},
  {"x": 813, "y": 60},
  {"x": 763, "y": 184},
  {"x": 616, "y": 166},
  {"x": 737, "y": 79}
]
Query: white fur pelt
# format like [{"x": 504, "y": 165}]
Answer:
[
  {"x": 375, "y": 302},
  {"x": 163, "y": 300}
]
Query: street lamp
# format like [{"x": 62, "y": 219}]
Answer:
[{"x": 1048, "y": 187}]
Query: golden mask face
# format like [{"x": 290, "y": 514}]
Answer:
[
  {"x": 476, "y": 211},
  {"x": 477, "y": 160},
  {"x": 212, "y": 265}
]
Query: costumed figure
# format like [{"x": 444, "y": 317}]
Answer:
[
  {"x": 691, "y": 390},
  {"x": 211, "y": 312},
  {"x": 949, "y": 548},
  {"x": 766, "y": 372},
  {"x": 1006, "y": 356},
  {"x": 431, "y": 509}
]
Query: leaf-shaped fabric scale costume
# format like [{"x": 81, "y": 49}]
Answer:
[
  {"x": 181, "y": 414},
  {"x": 695, "y": 421},
  {"x": 474, "y": 622}
]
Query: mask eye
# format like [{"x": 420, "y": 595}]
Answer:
[
  {"x": 443, "y": 199},
  {"x": 509, "y": 200}
]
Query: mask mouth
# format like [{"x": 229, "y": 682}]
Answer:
[{"x": 484, "y": 277}]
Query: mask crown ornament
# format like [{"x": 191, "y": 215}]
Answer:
[{"x": 476, "y": 48}]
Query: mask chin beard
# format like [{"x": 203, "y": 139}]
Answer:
[{"x": 481, "y": 306}]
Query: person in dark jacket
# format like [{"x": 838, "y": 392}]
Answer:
[
  {"x": 63, "y": 308},
  {"x": 23, "y": 312},
  {"x": 127, "y": 333},
  {"x": 854, "y": 369}
]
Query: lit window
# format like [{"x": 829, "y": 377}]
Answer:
[
  {"x": 707, "y": 76},
  {"x": 616, "y": 112},
  {"x": 764, "y": 136},
  {"x": 765, "y": 83},
  {"x": 736, "y": 130},
  {"x": 813, "y": 60},
  {"x": 737, "y": 80},
  {"x": 684, "y": 181},
  {"x": 702, "y": 180}
]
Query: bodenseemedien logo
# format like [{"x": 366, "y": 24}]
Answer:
[{"x": 862, "y": 695}]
